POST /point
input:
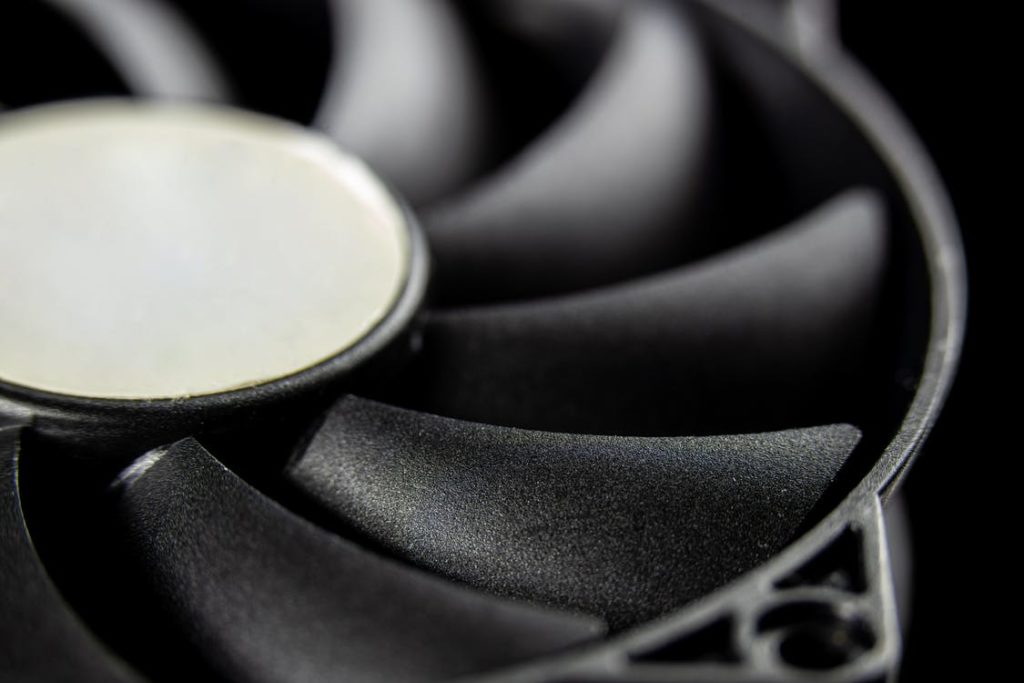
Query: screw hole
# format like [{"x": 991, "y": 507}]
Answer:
[
  {"x": 821, "y": 646},
  {"x": 816, "y": 636}
]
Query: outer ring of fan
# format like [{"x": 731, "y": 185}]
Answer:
[
  {"x": 105, "y": 427},
  {"x": 855, "y": 94}
]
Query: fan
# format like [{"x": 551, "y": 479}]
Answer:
[{"x": 607, "y": 378}]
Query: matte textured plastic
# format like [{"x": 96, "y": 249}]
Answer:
[
  {"x": 796, "y": 126},
  {"x": 623, "y": 527},
  {"x": 610, "y": 190},
  {"x": 405, "y": 94},
  {"x": 762, "y": 337},
  {"x": 264, "y": 595}
]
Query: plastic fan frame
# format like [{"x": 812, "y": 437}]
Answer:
[{"x": 824, "y": 606}]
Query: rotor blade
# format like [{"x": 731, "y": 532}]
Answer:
[
  {"x": 570, "y": 35},
  {"x": 404, "y": 93},
  {"x": 47, "y": 57},
  {"x": 153, "y": 48},
  {"x": 607, "y": 192},
  {"x": 264, "y": 595},
  {"x": 537, "y": 56},
  {"x": 768, "y": 335},
  {"x": 802, "y": 128},
  {"x": 624, "y": 527},
  {"x": 275, "y": 54},
  {"x": 40, "y": 637}
]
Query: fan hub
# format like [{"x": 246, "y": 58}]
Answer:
[{"x": 155, "y": 251}]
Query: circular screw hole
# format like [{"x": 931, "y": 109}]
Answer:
[
  {"x": 817, "y": 635},
  {"x": 825, "y": 646}
]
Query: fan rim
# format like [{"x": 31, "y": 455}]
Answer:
[{"x": 835, "y": 73}]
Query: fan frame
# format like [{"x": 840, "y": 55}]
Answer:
[
  {"x": 734, "y": 634},
  {"x": 764, "y": 626}
]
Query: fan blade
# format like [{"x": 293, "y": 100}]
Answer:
[
  {"x": 266, "y": 596},
  {"x": 571, "y": 35},
  {"x": 154, "y": 49},
  {"x": 802, "y": 128},
  {"x": 624, "y": 527},
  {"x": 275, "y": 54},
  {"x": 760, "y": 337},
  {"x": 63, "y": 65},
  {"x": 606, "y": 192},
  {"x": 40, "y": 638},
  {"x": 404, "y": 94},
  {"x": 537, "y": 56}
]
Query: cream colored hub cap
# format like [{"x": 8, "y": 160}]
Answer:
[{"x": 162, "y": 251}]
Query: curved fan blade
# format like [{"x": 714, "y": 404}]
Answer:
[
  {"x": 266, "y": 596},
  {"x": 804, "y": 132},
  {"x": 606, "y": 192},
  {"x": 40, "y": 638},
  {"x": 155, "y": 51},
  {"x": 404, "y": 94},
  {"x": 275, "y": 54},
  {"x": 625, "y": 527},
  {"x": 537, "y": 56},
  {"x": 571, "y": 34},
  {"x": 64, "y": 65},
  {"x": 763, "y": 336}
]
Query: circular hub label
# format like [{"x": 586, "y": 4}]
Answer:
[{"x": 163, "y": 251}]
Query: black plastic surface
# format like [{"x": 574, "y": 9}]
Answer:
[
  {"x": 406, "y": 94},
  {"x": 760, "y": 343},
  {"x": 767, "y": 336},
  {"x": 263, "y": 595},
  {"x": 610, "y": 190},
  {"x": 626, "y": 528},
  {"x": 43, "y": 639}
]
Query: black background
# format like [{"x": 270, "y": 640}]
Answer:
[{"x": 940, "y": 62}]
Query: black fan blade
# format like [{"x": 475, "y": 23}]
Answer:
[
  {"x": 803, "y": 130},
  {"x": 624, "y": 527},
  {"x": 151, "y": 46},
  {"x": 765, "y": 336},
  {"x": 537, "y": 57},
  {"x": 275, "y": 54},
  {"x": 264, "y": 595},
  {"x": 40, "y": 638},
  {"x": 405, "y": 95},
  {"x": 606, "y": 192},
  {"x": 64, "y": 65},
  {"x": 569, "y": 35}
]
